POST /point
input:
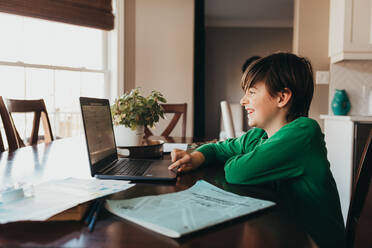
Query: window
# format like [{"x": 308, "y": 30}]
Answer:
[{"x": 54, "y": 61}]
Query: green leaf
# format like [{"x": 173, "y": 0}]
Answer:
[{"x": 133, "y": 109}]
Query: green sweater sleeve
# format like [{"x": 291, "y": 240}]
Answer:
[
  {"x": 220, "y": 152},
  {"x": 273, "y": 159}
]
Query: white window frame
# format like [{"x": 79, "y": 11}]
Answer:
[{"x": 54, "y": 67}]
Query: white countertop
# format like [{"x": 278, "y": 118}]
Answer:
[{"x": 358, "y": 118}]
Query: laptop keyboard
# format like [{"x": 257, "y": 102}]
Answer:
[{"x": 130, "y": 167}]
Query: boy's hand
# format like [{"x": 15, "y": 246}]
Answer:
[{"x": 183, "y": 161}]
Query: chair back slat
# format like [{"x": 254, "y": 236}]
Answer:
[
  {"x": 228, "y": 122},
  {"x": 2, "y": 148},
  {"x": 178, "y": 110},
  {"x": 39, "y": 110},
  {"x": 35, "y": 127},
  {"x": 48, "y": 136},
  {"x": 171, "y": 125},
  {"x": 360, "y": 191},
  {"x": 10, "y": 131}
]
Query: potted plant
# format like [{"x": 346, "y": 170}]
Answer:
[{"x": 131, "y": 112}]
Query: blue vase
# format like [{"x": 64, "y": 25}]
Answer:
[{"x": 340, "y": 103}]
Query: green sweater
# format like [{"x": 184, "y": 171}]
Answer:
[{"x": 295, "y": 159}]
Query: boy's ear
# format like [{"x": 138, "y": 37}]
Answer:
[{"x": 284, "y": 97}]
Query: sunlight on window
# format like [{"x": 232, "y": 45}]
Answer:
[
  {"x": 35, "y": 41},
  {"x": 92, "y": 84},
  {"x": 67, "y": 91},
  {"x": 12, "y": 81},
  {"x": 11, "y": 27},
  {"x": 49, "y": 50},
  {"x": 40, "y": 85}
]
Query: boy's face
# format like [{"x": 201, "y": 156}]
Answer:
[{"x": 261, "y": 107}]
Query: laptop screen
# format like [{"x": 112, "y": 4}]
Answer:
[{"x": 98, "y": 129}]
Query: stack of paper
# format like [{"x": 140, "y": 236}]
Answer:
[
  {"x": 53, "y": 197},
  {"x": 168, "y": 147},
  {"x": 179, "y": 213}
]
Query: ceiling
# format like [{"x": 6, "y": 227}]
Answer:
[{"x": 249, "y": 13}]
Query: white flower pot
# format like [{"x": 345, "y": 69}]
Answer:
[{"x": 124, "y": 136}]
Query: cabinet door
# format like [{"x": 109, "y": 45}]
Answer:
[
  {"x": 336, "y": 28},
  {"x": 358, "y": 18},
  {"x": 350, "y": 32}
]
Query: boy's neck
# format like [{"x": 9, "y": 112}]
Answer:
[{"x": 274, "y": 126}]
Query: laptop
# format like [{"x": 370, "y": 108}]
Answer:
[{"x": 102, "y": 153}]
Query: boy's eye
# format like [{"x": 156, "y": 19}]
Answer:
[{"x": 251, "y": 92}]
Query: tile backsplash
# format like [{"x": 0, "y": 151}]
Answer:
[{"x": 355, "y": 76}]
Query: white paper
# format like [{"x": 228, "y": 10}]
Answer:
[
  {"x": 176, "y": 214},
  {"x": 53, "y": 197},
  {"x": 168, "y": 147}
]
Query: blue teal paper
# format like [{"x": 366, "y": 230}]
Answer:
[{"x": 176, "y": 214}]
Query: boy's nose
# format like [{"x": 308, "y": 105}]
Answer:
[{"x": 244, "y": 100}]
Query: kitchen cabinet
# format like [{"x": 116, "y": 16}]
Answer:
[
  {"x": 345, "y": 137},
  {"x": 350, "y": 30}
]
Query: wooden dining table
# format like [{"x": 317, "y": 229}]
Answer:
[{"x": 272, "y": 227}]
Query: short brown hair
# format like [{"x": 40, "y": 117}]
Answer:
[{"x": 284, "y": 70}]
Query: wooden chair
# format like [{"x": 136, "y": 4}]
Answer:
[
  {"x": 232, "y": 122},
  {"x": 177, "y": 110},
  {"x": 228, "y": 122},
  {"x": 360, "y": 191},
  {"x": 40, "y": 112},
  {"x": 9, "y": 129}
]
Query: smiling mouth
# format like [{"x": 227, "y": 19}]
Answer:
[{"x": 249, "y": 111}]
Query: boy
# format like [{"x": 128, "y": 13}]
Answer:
[{"x": 285, "y": 147}]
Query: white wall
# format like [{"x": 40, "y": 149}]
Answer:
[
  {"x": 164, "y": 52},
  {"x": 129, "y": 44},
  {"x": 310, "y": 39}
]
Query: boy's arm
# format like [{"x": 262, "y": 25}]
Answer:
[
  {"x": 269, "y": 161},
  {"x": 222, "y": 151}
]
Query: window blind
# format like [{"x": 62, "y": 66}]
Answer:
[{"x": 89, "y": 13}]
